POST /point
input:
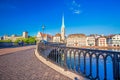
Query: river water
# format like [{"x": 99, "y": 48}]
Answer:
[
  {"x": 70, "y": 65},
  {"x": 80, "y": 68}
]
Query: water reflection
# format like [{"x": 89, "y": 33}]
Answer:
[
  {"x": 81, "y": 64},
  {"x": 70, "y": 65},
  {"x": 106, "y": 49}
]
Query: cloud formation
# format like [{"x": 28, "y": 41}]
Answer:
[
  {"x": 76, "y": 11},
  {"x": 74, "y": 7}
]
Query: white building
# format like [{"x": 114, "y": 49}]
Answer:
[
  {"x": 116, "y": 40},
  {"x": 14, "y": 37},
  {"x": 76, "y": 40},
  {"x": 57, "y": 38},
  {"x": 25, "y": 34},
  {"x": 109, "y": 40},
  {"x": 101, "y": 41},
  {"x": 40, "y": 36},
  {"x": 90, "y": 41}
]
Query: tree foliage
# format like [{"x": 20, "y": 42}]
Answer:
[
  {"x": 30, "y": 40},
  {"x": 5, "y": 41}
]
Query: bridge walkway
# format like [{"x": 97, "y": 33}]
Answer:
[{"x": 21, "y": 64}]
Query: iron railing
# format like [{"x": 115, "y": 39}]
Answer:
[{"x": 93, "y": 64}]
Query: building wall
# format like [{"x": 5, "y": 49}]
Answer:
[
  {"x": 90, "y": 41},
  {"x": 56, "y": 39},
  {"x": 13, "y": 37},
  {"x": 102, "y": 42},
  {"x": 45, "y": 37},
  {"x": 25, "y": 34},
  {"x": 76, "y": 42},
  {"x": 109, "y": 41},
  {"x": 116, "y": 41}
]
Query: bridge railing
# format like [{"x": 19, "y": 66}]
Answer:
[{"x": 93, "y": 64}]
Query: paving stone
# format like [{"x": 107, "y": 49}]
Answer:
[{"x": 23, "y": 65}]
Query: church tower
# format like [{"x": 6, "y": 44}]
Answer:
[{"x": 63, "y": 29}]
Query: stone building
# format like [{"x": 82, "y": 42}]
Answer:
[
  {"x": 25, "y": 34},
  {"x": 57, "y": 38},
  {"x": 15, "y": 37},
  {"x": 40, "y": 36},
  {"x": 116, "y": 40},
  {"x": 76, "y": 40},
  {"x": 101, "y": 41},
  {"x": 109, "y": 40},
  {"x": 90, "y": 41}
]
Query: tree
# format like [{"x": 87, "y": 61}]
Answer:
[
  {"x": 5, "y": 40},
  {"x": 32, "y": 40}
]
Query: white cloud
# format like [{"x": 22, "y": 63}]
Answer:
[
  {"x": 75, "y": 4},
  {"x": 76, "y": 11},
  {"x": 75, "y": 7}
]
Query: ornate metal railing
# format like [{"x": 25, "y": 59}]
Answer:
[{"x": 93, "y": 64}]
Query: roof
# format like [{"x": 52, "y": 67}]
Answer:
[
  {"x": 58, "y": 35},
  {"x": 110, "y": 36},
  {"x": 45, "y": 35},
  {"x": 76, "y": 35},
  {"x": 101, "y": 37}
]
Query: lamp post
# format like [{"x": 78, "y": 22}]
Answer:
[{"x": 43, "y": 27}]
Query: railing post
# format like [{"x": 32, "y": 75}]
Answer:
[
  {"x": 79, "y": 62},
  {"x": 74, "y": 67},
  {"x": 105, "y": 69},
  {"x": 116, "y": 67},
  {"x": 97, "y": 68},
  {"x": 65, "y": 59},
  {"x": 90, "y": 65},
  {"x": 70, "y": 60},
  {"x": 84, "y": 55}
]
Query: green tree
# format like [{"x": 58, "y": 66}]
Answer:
[
  {"x": 32, "y": 40},
  {"x": 5, "y": 40},
  {"x": 26, "y": 41}
]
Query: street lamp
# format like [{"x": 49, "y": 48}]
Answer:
[{"x": 43, "y": 27}]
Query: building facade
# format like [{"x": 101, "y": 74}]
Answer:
[
  {"x": 57, "y": 38},
  {"x": 76, "y": 40},
  {"x": 109, "y": 40},
  {"x": 101, "y": 41},
  {"x": 40, "y": 36},
  {"x": 14, "y": 37},
  {"x": 25, "y": 34},
  {"x": 90, "y": 41},
  {"x": 116, "y": 40}
]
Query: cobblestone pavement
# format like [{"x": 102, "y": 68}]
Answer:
[
  {"x": 15, "y": 49},
  {"x": 23, "y": 65}
]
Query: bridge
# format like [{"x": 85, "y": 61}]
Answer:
[
  {"x": 20, "y": 63},
  {"x": 54, "y": 61},
  {"x": 89, "y": 63}
]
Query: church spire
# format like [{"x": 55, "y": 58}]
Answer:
[
  {"x": 63, "y": 29},
  {"x": 63, "y": 25}
]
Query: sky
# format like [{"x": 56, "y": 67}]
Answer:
[{"x": 81, "y": 16}]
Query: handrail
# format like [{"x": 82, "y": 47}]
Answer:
[{"x": 83, "y": 61}]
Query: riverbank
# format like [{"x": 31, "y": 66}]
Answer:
[{"x": 98, "y": 47}]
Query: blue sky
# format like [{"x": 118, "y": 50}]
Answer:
[{"x": 81, "y": 16}]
